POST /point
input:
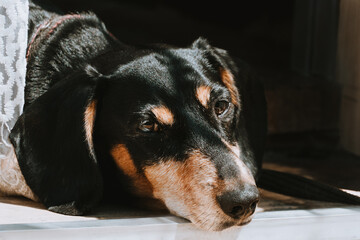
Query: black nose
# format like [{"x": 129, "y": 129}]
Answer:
[{"x": 240, "y": 201}]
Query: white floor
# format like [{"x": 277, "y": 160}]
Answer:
[{"x": 280, "y": 219}]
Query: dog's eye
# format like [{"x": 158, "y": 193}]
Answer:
[
  {"x": 221, "y": 107},
  {"x": 148, "y": 126}
]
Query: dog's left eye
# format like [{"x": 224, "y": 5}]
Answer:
[
  {"x": 221, "y": 107},
  {"x": 149, "y": 126}
]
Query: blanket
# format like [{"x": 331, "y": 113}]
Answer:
[{"x": 13, "y": 43}]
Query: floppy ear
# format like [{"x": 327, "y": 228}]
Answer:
[{"x": 53, "y": 144}]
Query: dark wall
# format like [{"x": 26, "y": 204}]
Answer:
[{"x": 258, "y": 31}]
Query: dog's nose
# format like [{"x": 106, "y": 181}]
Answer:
[{"x": 239, "y": 202}]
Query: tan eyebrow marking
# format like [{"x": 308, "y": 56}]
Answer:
[
  {"x": 228, "y": 79},
  {"x": 163, "y": 115},
  {"x": 203, "y": 95}
]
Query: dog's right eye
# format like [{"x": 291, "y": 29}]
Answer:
[
  {"x": 148, "y": 126},
  {"x": 221, "y": 107}
]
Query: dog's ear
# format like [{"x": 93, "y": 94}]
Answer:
[
  {"x": 218, "y": 57},
  {"x": 201, "y": 43},
  {"x": 53, "y": 144}
]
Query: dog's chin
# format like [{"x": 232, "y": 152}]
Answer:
[
  {"x": 217, "y": 223},
  {"x": 211, "y": 218},
  {"x": 244, "y": 222},
  {"x": 227, "y": 225},
  {"x": 222, "y": 225}
]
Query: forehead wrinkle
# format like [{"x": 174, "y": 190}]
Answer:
[
  {"x": 184, "y": 61},
  {"x": 193, "y": 77},
  {"x": 173, "y": 75},
  {"x": 151, "y": 70}
]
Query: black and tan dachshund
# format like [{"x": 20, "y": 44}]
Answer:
[{"x": 179, "y": 128}]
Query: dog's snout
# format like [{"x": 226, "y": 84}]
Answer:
[{"x": 239, "y": 202}]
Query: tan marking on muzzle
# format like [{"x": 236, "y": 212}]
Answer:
[
  {"x": 188, "y": 189},
  {"x": 163, "y": 115},
  {"x": 89, "y": 120},
  {"x": 228, "y": 79},
  {"x": 203, "y": 95},
  {"x": 124, "y": 161}
]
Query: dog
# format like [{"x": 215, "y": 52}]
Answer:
[
  {"x": 181, "y": 128},
  {"x": 177, "y": 128}
]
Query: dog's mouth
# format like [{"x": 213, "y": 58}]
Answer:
[
  {"x": 218, "y": 222},
  {"x": 230, "y": 224},
  {"x": 227, "y": 224},
  {"x": 193, "y": 190},
  {"x": 213, "y": 221},
  {"x": 245, "y": 222}
]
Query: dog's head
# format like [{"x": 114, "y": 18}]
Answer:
[{"x": 177, "y": 125}]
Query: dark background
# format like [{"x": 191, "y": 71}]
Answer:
[{"x": 257, "y": 31}]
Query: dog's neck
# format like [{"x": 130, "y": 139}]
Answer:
[{"x": 61, "y": 45}]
